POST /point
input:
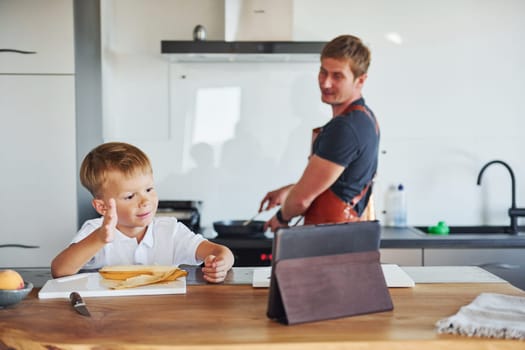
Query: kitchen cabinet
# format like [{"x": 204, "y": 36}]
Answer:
[
  {"x": 37, "y": 138},
  {"x": 38, "y": 184},
  {"x": 44, "y": 27},
  {"x": 402, "y": 257}
]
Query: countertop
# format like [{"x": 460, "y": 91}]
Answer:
[
  {"x": 411, "y": 237},
  {"x": 234, "y": 317},
  {"x": 238, "y": 275},
  {"x": 408, "y": 237}
]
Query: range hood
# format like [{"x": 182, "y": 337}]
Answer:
[
  {"x": 238, "y": 51},
  {"x": 254, "y": 30}
]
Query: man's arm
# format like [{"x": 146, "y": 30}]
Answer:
[{"x": 318, "y": 176}]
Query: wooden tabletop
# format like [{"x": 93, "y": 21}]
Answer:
[{"x": 234, "y": 317}]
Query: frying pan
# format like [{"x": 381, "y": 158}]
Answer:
[{"x": 236, "y": 228}]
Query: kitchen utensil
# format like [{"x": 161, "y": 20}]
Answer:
[
  {"x": 236, "y": 228},
  {"x": 78, "y": 304},
  {"x": 14, "y": 296},
  {"x": 247, "y": 222}
]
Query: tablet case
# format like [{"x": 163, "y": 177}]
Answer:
[
  {"x": 333, "y": 286},
  {"x": 326, "y": 262}
]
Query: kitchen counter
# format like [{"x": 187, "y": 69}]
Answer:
[
  {"x": 501, "y": 254},
  {"x": 234, "y": 317},
  {"x": 249, "y": 251},
  {"x": 238, "y": 275},
  {"x": 408, "y": 237}
]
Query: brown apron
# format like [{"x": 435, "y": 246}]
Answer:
[{"x": 328, "y": 208}]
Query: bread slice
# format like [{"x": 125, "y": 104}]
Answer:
[
  {"x": 142, "y": 280},
  {"x": 123, "y": 272},
  {"x": 129, "y": 276}
]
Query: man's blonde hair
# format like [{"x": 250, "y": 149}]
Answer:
[
  {"x": 351, "y": 48},
  {"x": 111, "y": 156}
]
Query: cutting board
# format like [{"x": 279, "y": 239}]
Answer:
[
  {"x": 394, "y": 277},
  {"x": 93, "y": 285},
  {"x": 451, "y": 274}
]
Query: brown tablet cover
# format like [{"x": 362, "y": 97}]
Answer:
[{"x": 332, "y": 286}]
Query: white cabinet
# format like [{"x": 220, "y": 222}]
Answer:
[
  {"x": 38, "y": 187},
  {"x": 44, "y": 27},
  {"x": 37, "y": 134},
  {"x": 491, "y": 257},
  {"x": 402, "y": 257}
]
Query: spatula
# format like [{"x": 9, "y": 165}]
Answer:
[{"x": 247, "y": 222}]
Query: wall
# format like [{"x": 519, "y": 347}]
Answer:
[{"x": 445, "y": 82}]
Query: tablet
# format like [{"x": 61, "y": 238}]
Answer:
[{"x": 317, "y": 240}]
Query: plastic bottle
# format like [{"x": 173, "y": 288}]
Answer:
[{"x": 396, "y": 211}]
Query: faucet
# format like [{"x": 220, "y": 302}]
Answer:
[{"x": 514, "y": 212}]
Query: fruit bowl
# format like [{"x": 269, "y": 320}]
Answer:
[{"x": 10, "y": 297}]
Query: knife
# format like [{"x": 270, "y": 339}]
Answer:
[{"x": 78, "y": 304}]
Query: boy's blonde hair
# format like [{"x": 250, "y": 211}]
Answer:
[
  {"x": 111, "y": 156},
  {"x": 351, "y": 48}
]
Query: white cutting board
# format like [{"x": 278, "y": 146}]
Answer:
[
  {"x": 394, "y": 277},
  {"x": 92, "y": 285},
  {"x": 451, "y": 274}
]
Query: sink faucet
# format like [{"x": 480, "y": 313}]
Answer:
[{"x": 514, "y": 212}]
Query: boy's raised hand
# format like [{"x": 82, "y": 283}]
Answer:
[
  {"x": 109, "y": 224},
  {"x": 215, "y": 269}
]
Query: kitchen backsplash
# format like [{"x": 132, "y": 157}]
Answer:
[{"x": 445, "y": 86}]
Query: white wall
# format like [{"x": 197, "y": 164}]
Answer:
[{"x": 446, "y": 97}]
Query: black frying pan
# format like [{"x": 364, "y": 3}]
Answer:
[{"x": 235, "y": 228}]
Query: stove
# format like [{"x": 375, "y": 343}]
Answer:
[
  {"x": 186, "y": 211},
  {"x": 249, "y": 251}
]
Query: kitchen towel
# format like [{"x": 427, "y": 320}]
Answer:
[{"x": 489, "y": 315}]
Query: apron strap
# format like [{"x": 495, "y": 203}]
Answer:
[
  {"x": 366, "y": 111},
  {"x": 363, "y": 109}
]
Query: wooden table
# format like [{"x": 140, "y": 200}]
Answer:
[{"x": 234, "y": 317}]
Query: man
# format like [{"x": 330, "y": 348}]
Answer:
[{"x": 336, "y": 185}]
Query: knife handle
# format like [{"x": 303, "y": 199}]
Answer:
[{"x": 75, "y": 298}]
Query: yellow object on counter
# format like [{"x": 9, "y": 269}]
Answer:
[{"x": 129, "y": 276}]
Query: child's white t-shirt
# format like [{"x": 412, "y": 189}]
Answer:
[{"x": 166, "y": 242}]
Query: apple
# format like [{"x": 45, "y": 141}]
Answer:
[{"x": 10, "y": 279}]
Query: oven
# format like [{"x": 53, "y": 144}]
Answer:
[
  {"x": 249, "y": 251},
  {"x": 186, "y": 211}
]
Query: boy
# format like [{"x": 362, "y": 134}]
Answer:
[{"x": 120, "y": 178}]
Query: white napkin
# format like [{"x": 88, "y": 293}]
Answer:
[{"x": 489, "y": 315}]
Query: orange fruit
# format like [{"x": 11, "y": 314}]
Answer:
[{"x": 10, "y": 279}]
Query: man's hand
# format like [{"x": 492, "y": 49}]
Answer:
[
  {"x": 274, "y": 198},
  {"x": 273, "y": 224}
]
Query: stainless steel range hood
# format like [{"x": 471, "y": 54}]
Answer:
[
  {"x": 254, "y": 31},
  {"x": 239, "y": 51}
]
